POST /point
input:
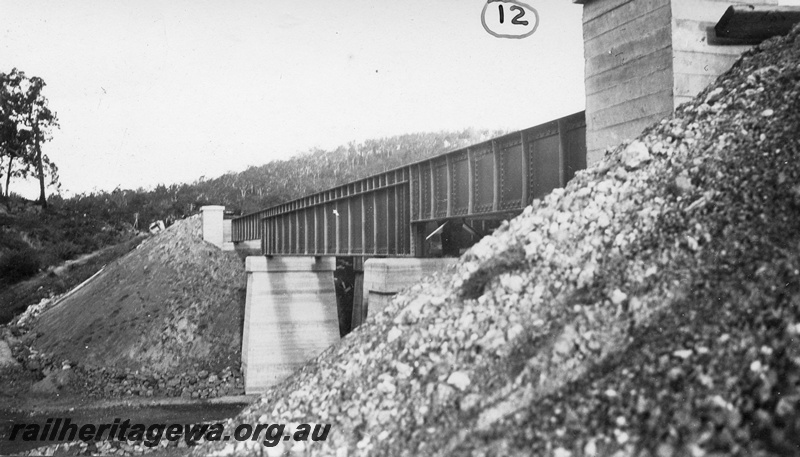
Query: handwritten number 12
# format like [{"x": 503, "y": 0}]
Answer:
[
  {"x": 516, "y": 19},
  {"x": 523, "y": 17}
]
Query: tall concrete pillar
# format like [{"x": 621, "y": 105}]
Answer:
[
  {"x": 290, "y": 316},
  {"x": 384, "y": 278},
  {"x": 212, "y": 224},
  {"x": 644, "y": 58}
]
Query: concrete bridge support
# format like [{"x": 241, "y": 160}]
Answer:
[
  {"x": 216, "y": 229},
  {"x": 290, "y": 316},
  {"x": 644, "y": 58},
  {"x": 213, "y": 230},
  {"x": 384, "y": 278}
]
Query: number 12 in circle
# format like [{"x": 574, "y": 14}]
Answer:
[
  {"x": 509, "y": 18},
  {"x": 516, "y": 20}
]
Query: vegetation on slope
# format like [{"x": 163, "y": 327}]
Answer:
[
  {"x": 57, "y": 280},
  {"x": 35, "y": 242}
]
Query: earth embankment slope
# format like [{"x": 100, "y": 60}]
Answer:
[
  {"x": 650, "y": 308},
  {"x": 173, "y": 304}
]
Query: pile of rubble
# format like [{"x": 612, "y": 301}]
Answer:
[
  {"x": 164, "y": 320},
  {"x": 650, "y": 308},
  {"x": 197, "y": 384}
]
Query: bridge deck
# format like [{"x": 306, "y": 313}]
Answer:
[{"x": 387, "y": 214}]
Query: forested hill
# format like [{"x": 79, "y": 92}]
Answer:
[{"x": 276, "y": 182}]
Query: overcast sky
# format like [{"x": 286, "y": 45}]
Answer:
[{"x": 152, "y": 92}]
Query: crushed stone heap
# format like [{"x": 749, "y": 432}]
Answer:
[
  {"x": 162, "y": 318},
  {"x": 650, "y": 308}
]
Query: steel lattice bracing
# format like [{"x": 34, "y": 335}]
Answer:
[{"x": 384, "y": 215}]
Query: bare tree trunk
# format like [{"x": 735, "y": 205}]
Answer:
[
  {"x": 39, "y": 167},
  {"x": 8, "y": 174}
]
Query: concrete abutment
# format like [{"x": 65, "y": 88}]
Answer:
[{"x": 219, "y": 231}]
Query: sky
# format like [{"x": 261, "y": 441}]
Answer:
[{"x": 151, "y": 92}]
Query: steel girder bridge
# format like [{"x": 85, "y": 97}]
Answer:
[{"x": 435, "y": 207}]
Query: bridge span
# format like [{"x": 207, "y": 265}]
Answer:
[
  {"x": 329, "y": 258},
  {"x": 392, "y": 213}
]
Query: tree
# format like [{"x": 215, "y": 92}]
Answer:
[
  {"x": 12, "y": 139},
  {"x": 25, "y": 123}
]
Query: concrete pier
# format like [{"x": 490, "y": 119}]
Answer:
[
  {"x": 290, "y": 316},
  {"x": 644, "y": 58},
  {"x": 213, "y": 231},
  {"x": 384, "y": 278}
]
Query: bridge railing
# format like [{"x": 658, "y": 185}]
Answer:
[
  {"x": 365, "y": 217},
  {"x": 382, "y": 215},
  {"x": 247, "y": 227},
  {"x": 501, "y": 175}
]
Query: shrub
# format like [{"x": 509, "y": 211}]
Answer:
[
  {"x": 65, "y": 250},
  {"x": 11, "y": 240},
  {"x": 18, "y": 265}
]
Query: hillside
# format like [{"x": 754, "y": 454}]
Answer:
[
  {"x": 650, "y": 308},
  {"x": 46, "y": 252},
  {"x": 276, "y": 182}
]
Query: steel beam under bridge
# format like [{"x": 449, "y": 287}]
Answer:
[{"x": 384, "y": 214}]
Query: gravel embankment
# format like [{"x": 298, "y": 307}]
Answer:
[
  {"x": 163, "y": 320},
  {"x": 650, "y": 308}
]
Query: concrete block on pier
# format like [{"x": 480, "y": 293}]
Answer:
[
  {"x": 384, "y": 278},
  {"x": 213, "y": 231},
  {"x": 290, "y": 316}
]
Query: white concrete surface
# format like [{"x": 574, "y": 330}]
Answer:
[
  {"x": 384, "y": 278},
  {"x": 212, "y": 224},
  {"x": 290, "y": 316}
]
